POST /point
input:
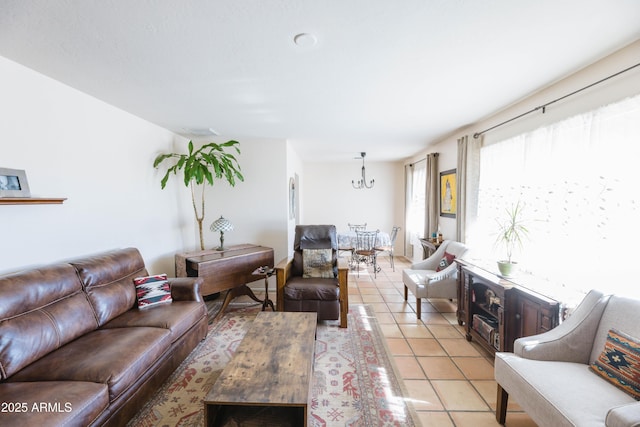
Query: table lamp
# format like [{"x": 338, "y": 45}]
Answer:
[{"x": 221, "y": 224}]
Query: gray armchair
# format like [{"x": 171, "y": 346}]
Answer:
[
  {"x": 549, "y": 374},
  {"x": 429, "y": 279}
]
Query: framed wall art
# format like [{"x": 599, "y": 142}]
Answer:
[
  {"x": 13, "y": 183},
  {"x": 448, "y": 194},
  {"x": 293, "y": 199}
]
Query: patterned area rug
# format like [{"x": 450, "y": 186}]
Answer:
[{"x": 355, "y": 379}]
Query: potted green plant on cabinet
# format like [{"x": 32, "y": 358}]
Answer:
[
  {"x": 511, "y": 233},
  {"x": 204, "y": 165}
]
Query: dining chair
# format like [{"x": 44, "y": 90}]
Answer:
[
  {"x": 365, "y": 251},
  {"x": 356, "y": 227},
  {"x": 389, "y": 249},
  {"x": 351, "y": 248}
]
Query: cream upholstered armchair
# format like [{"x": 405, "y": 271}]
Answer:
[
  {"x": 584, "y": 372},
  {"x": 436, "y": 276}
]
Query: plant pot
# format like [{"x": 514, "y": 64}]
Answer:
[{"x": 507, "y": 269}]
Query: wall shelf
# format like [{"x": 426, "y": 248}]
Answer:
[{"x": 31, "y": 200}]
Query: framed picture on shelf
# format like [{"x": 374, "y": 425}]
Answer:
[
  {"x": 13, "y": 183},
  {"x": 448, "y": 194}
]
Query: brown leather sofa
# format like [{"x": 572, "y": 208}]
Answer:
[{"x": 76, "y": 351}]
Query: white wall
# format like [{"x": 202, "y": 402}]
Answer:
[
  {"x": 100, "y": 158},
  {"x": 610, "y": 91},
  {"x": 295, "y": 171},
  {"x": 615, "y": 89},
  {"x": 329, "y": 198},
  {"x": 257, "y": 207}
]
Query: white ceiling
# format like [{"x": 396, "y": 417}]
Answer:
[{"x": 386, "y": 77}]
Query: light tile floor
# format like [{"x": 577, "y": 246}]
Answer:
[{"x": 449, "y": 379}]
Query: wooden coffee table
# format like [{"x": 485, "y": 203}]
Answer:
[{"x": 272, "y": 367}]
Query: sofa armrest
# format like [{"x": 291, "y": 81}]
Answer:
[
  {"x": 186, "y": 288},
  {"x": 572, "y": 340},
  {"x": 430, "y": 263},
  {"x": 283, "y": 272},
  {"x": 624, "y": 416},
  {"x": 447, "y": 273},
  {"x": 343, "y": 282}
]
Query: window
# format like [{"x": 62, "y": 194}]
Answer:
[
  {"x": 416, "y": 209},
  {"x": 578, "y": 180}
]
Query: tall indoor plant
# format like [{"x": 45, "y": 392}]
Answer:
[
  {"x": 511, "y": 234},
  {"x": 205, "y": 164}
]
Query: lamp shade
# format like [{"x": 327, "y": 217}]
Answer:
[{"x": 221, "y": 224}]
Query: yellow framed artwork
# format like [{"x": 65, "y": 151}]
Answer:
[{"x": 448, "y": 194}]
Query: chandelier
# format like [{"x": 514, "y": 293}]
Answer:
[{"x": 362, "y": 183}]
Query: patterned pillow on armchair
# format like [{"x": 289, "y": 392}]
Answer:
[
  {"x": 446, "y": 261},
  {"x": 317, "y": 263}
]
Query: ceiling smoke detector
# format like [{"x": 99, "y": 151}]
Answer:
[{"x": 305, "y": 40}]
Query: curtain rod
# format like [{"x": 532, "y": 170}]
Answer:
[{"x": 544, "y": 106}]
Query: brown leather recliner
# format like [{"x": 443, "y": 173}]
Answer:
[{"x": 314, "y": 279}]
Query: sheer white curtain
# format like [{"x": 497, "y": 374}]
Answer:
[
  {"x": 432, "y": 196},
  {"x": 579, "y": 182},
  {"x": 416, "y": 204},
  {"x": 468, "y": 173}
]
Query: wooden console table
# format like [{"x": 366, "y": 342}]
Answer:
[
  {"x": 228, "y": 270},
  {"x": 272, "y": 368},
  {"x": 497, "y": 311}
]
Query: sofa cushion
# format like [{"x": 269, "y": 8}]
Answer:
[
  {"x": 299, "y": 288},
  {"x": 178, "y": 317},
  {"x": 108, "y": 281},
  {"x": 152, "y": 290},
  {"x": 67, "y": 403},
  {"x": 558, "y": 393},
  {"x": 326, "y": 310},
  {"x": 40, "y": 310},
  {"x": 116, "y": 357},
  {"x": 619, "y": 362},
  {"x": 317, "y": 263}
]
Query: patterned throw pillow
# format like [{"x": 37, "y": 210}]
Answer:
[
  {"x": 619, "y": 362},
  {"x": 317, "y": 263},
  {"x": 152, "y": 290},
  {"x": 446, "y": 261}
]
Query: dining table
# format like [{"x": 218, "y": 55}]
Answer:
[{"x": 347, "y": 240}]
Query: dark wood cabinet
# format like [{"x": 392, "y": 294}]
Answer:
[
  {"x": 535, "y": 314},
  {"x": 496, "y": 311}
]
